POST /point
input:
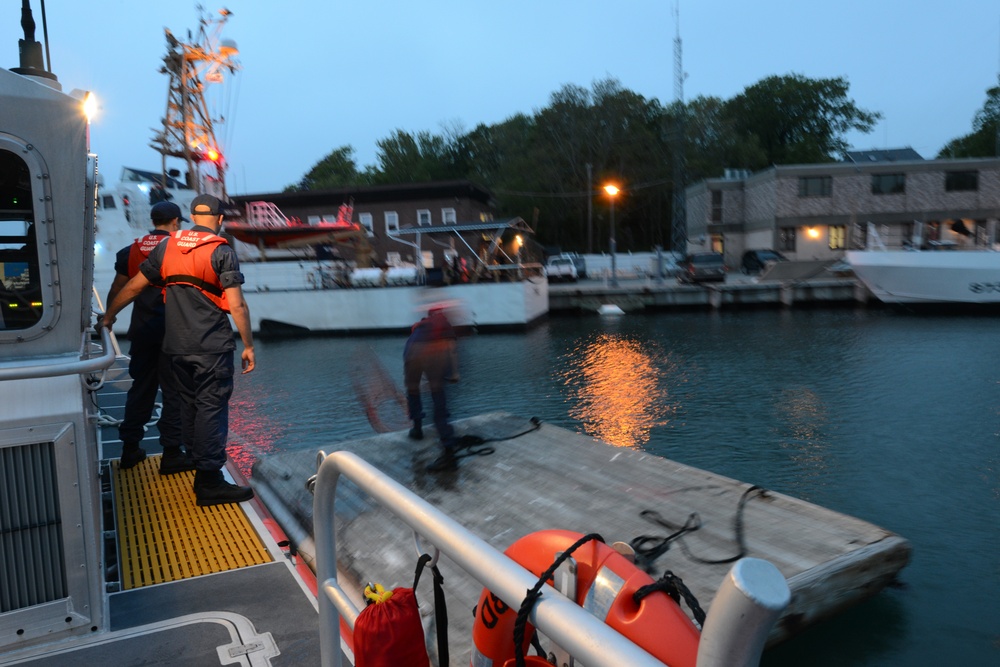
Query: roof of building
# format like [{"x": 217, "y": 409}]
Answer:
[
  {"x": 367, "y": 194},
  {"x": 883, "y": 155}
]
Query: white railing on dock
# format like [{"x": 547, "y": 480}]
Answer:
[{"x": 748, "y": 603}]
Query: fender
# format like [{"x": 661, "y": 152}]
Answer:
[{"x": 606, "y": 581}]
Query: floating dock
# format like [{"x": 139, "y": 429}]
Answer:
[{"x": 541, "y": 476}]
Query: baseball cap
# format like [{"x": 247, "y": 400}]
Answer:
[
  {"x": 206, "y": 205},
  {"x": 165, "y": 211}
]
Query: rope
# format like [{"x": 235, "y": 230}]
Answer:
[
  {"x": 474, "y": 445},
  {"x": 536, "y": 592},
  {"x": 648, "y": 547},
  {"x": 673, "y": 586},
  {"x": 440, "y": 606}
]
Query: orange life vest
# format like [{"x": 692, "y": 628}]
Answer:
[
  {"x": 187, "y": 260},
  {"x": 606, "y": 582},
  {"x": 140, "y": 251}
]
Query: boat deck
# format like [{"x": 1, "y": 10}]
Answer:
[
  {"x": 550, "y": 477},
  {"x": 185, "y": 585}
]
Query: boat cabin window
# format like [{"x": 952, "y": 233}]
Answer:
[
  {"x": 108, "y": 202},
  {"x": 20, "y": 285}
]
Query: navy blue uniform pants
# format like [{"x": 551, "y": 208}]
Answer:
[
  {"x": 148, "y": 369},
  {"x": 204, "y": 383},
  {"x": 431, "y": 360}
]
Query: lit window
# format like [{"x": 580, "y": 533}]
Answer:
[
  {"x": 448, "y": 216},
  {"x": 423, "y": 217},
  {"x": 391, "y": 222},
  {"x": 838, "y": 237}
]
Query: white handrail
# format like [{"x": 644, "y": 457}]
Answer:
[
  {"x": 587, "y": 638},
  {"x": 60, "y": 367}
]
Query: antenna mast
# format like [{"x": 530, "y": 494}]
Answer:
[
  {"x": 188, "y": 131},
  {"x": 678, "y": 224}
]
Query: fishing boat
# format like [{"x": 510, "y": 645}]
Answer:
[
  {"x": 298, "y": 280},
  {"x": 935, "y": 273}
]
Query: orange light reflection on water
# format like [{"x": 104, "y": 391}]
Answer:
[{"x": 620, "y": 398}]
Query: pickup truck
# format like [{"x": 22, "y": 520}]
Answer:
[{"x": 561, "y": 268}]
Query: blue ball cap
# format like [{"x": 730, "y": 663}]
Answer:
[{"x": 165, "y": 211}]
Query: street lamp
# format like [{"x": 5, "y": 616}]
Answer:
[{"x": 612, "y": 191}]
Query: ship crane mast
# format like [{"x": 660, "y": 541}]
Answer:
[{"x": 188, "y": 132}]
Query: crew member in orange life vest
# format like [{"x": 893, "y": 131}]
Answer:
[
  {"x": 202, "y": 277},
  {"x": 145, "y": 334}
]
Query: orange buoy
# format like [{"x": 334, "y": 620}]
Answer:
[{"x": 605, "y": 584}]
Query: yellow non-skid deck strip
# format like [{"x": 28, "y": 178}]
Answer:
[{"x": 164, "y": 536}]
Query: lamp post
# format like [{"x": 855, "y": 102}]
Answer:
[{"x": 612, "y": 191}]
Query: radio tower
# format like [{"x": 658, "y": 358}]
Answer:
[{"x": 678, "y": 225}]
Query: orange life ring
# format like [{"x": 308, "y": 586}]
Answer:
[{"x": 656, "y": 624}]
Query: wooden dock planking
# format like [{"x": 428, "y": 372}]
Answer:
[{"x": 554, "y": 478}]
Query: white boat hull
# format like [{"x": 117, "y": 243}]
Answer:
[
  {"x": 929, "y": 277},
  {"x": 275, "y": 304}
]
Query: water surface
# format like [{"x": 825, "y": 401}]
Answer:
[{"x": 889, "y": 417}]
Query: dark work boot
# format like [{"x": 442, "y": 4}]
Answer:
[
  {"x": 416, "y": 433},
  {"x": 132, "y": 455},
  {"x": 175, "y": 460},
  {"x": 444, "y": 463},
  {"x": 211, "y": 488}
]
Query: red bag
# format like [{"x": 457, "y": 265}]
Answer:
[{"x": 389, "y": 633}]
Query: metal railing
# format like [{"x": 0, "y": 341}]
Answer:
[
  {"x": 748, "y": 603},
  {"x": 61, "y": 367}
]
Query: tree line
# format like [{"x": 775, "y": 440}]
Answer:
[{"x": 547, "y": 166}]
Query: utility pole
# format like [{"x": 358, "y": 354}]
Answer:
[
  {"x": 590, "y": 210},
  {"x": 678, "y": 226}
]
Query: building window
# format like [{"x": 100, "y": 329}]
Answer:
[
  {"x": 838, "y": 237},
  {"x": 815, "y": 186},
  {"x": 391, "y": 222},
  {"x": 423, "y": 217},
  {"x": 786, "y": 239},
  {"x": 366, "y": 221},
  {"x": 108, "y": 201},
  {"x": 448, "y": 216},
  {"x": 888, "y": 184},
  {"x": 716, "y": 205},
  {"x": 314, "y": 219},
  {"x": 961, "y": 181}
]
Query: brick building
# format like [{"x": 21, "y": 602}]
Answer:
[{"x": 818, "y": 211}]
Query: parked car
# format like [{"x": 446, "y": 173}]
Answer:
[
  {"x": 561, "y": 267},
  {"x": 754, "y": 261},
  {"x": 701, "y": 267}
]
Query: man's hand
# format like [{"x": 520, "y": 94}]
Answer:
[
  {"x": 105, "y": 322},
  {"x": 248, "y": 359}
]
